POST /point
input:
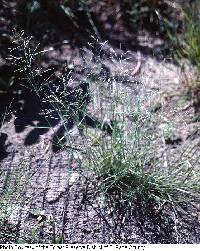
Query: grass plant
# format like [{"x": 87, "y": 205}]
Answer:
[
  {"x": 128, "y": 160},
  {"x": 189, "y": 48}
]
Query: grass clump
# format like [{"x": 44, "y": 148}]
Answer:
[
  {"x": 127, "y": 163},
  {"x": 132, "y": 160},
  {"x": 189, "y": 48},
  {"x": 189, "y": 43}
]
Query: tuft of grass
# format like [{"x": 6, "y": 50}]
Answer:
[
  {"x": 189, "y": 48},
  {"x": 127, "y": 163},
  {"x": 189, "y": 42}
]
